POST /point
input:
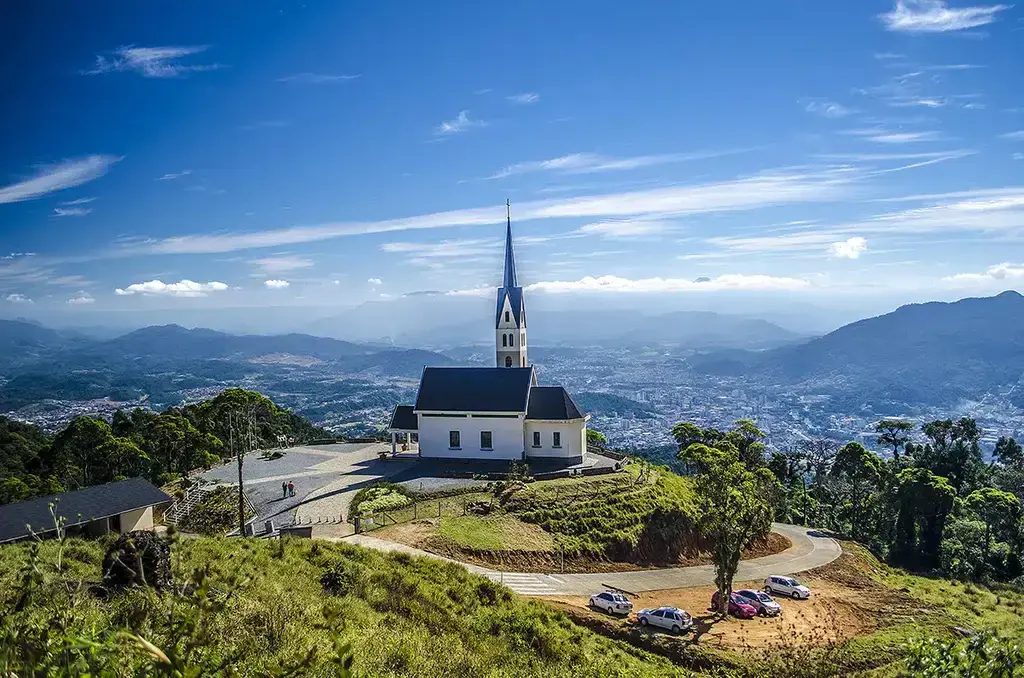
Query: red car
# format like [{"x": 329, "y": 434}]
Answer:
[{"x": 737, "y": 607}]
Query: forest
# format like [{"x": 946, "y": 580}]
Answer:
[{"x": 160, "y": 446}]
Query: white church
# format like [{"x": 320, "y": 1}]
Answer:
[{"x": 495, "y": 413}]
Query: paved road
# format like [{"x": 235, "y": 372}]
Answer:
[{"x": 810, "y": 549}]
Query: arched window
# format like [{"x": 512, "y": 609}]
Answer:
[
  {"x": 504, "y": 340},
  {"x": 511, "y": 339},
  {"x": 506, "y": 316},
  {"x": 508, "y": 361}
]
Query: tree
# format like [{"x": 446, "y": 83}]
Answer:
[
  {"x": 1009, "y": 452},
  {"x": 861, "y": 470},
  {"x": 686, "y": 434},
  {"x": 997, "y": 509},
  {"x": 747, "y": 437},
  {"x": 954, "y": 451},
  {"x": 596, "y": 439},
  {"x": 895, "y": 433},
  {"x": 924, "y": 502},
  {"x": 736, "y": 507}
]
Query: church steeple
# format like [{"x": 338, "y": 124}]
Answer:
[
  {"x": 510, "y": 315},
  {"x": 510, "y": 255}
]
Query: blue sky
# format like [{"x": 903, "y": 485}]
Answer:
[{"x": 268, "y": 154}]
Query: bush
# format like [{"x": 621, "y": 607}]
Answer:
[{"x": 381, "y": 496}]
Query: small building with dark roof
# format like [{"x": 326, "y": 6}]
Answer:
[
  {"x": 120, "y": 506},
  {"x": 494, "y": 413}
]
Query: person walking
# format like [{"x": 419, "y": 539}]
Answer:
[
  {"x": 284, "y": 489},
  {"x": 291, "y": 489}
]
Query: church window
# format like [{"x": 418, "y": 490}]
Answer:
[
  {"x": 485, "y": 440},
  {"x": 454, "y": 440},
  {"x": 536, "y": 438},
  {"x": 511, "y": 340},
  {"x": 556, "y": 439},
  {"x": 508, "y": 361},
  {"x": 524, "y": 362},
  {"x": 506, "y": 316},
  {"x": 504, "y": 340}
]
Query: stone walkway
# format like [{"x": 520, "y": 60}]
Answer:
[{"x": 810, "y": 549}]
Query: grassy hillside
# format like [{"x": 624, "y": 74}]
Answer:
[{"x": 267, "y": 613}]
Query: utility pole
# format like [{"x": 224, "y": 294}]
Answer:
[{"x": 241, "y": 490}]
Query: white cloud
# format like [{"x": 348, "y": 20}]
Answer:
[
  {"x": 828, "y": 109},
  {"x": 1014, "y": 136},
  {"x": 57, "y": 177},
  {"x": 82, "y": 298},
  {"x": 746, "y": 193},
  {"x": 182, "y": 288},
  {"x": 524, "y": 98},
  {"x": 375, "y": 281},
  {"x": 151, "y": 62},
  {"x": 461, "y": 123},
  {"x": 903, "y": 137},
  {"x": 935, "y": 16},
  {"x": 481, "y": 291},
  {"x": 18, "y": 299},
  {"x": 276, "y": 284},
  {"x": 625, "y": 228},
  {"x": 589, "y": 163},
  {"x": 611, "y": 283},
  {"x": 851, "y": 248},
  {"x": 282, "y": 263},
  {"x": 999, "y": 272},
  {"x": 316, "y": 78},
  {"x": 71, "y": 211},
  {"x": 174, "y": 175},
  {"x": 80, "y": 201},
  {"x": 1018, "y": 156}
]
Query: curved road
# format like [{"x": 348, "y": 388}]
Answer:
[{"x": 810, "y": 549}]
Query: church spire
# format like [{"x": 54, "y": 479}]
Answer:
[{"x": 510, "y": 257}]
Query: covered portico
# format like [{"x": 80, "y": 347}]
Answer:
[{"x": 403, "y": 427}]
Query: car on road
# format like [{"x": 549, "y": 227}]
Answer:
[
  {"x": 738, "y": 607},
  {"x": 760, "y": 601},
  {"x": 786, "y": 586},
  {"x": 610, "y": 602},
  {"x": 669, "y": 618}
]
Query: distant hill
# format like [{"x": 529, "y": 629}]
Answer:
[
  {"x": 609, "y": 403},
  {"x": 22, "y": 342},
  {"x": 933, "y": 353}
]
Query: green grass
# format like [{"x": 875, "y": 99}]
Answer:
[
  {"x": 402, "y": 616},
  {"x": 494, "y": 533}
]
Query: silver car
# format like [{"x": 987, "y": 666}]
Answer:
[
  {"x": 669, "y": 618},
  {"x": 762, "y": 602},
  {"x": 612, "y": 603}
]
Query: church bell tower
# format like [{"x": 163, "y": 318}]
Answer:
[{"x": 510, "y": 317}]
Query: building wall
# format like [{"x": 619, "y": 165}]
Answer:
[
  {"x": 139, "y": 519},
  {"x": 574, "y": 439},
  {"x": 516, "y": 349},
  {"x": 506, "y": 437}
]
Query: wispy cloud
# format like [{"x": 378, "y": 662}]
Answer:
[
  {"x": 71, "y": 211},
  {"x": 375, "y": 281},
  {"x": 171, "y": 176},
  {"x": 997, "y": 273},
  {"x": 18, "y": 299},
  {"x": 80, "y": 201},
  {"x": 282, "y": 264},
  {"x": 524, "y": 98},
  {"x": 276, "y": 284},
  {"x": 611, "y": 283},
  {"x": 1013, "y": 136},
  {"x": 82, "y": 298},
  {"x": 589, "y": 163},
  {"x": 317, "y": 78},
  {"x": 461, "y": 123},
  {"x": 884, "y": 136},
  {"x": 828, "y": 109},
  {"x": 151, "y": 62},
  {"x": 626, "y": 228},
  {"x": 935, "y": 16},
  {"x": 182, "y": 288},
  {"x": 851, "y": 248},
  {"x": 51, "y": 178},
  {"x": 745, "y": 193}
]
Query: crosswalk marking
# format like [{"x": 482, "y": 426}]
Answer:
[{"x": 527, "y": 584}]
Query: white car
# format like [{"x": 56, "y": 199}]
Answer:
[
  {"x": 786, "y": 586},
  {"x": 669, "y": 618},
  {"x": 612, "y": 603}
]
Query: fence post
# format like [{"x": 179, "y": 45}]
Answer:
[
  {"x": 438, "y": 508},
  {"x": 414, "y": 510}
]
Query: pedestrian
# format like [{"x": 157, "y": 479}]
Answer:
[
  {"x": 284, "y": 489},
  {"x": 291, "y": 489}
]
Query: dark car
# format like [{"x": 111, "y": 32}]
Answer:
[{"x": 738, "y": 607}]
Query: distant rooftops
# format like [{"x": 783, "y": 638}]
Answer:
[{"x": 78, "y": 507}]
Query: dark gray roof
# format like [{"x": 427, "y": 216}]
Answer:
[
  {"x": 552, "y": 402},
  {"x": 403, "y": 418},
  {"x": 78, "y": 507},
  {"x": 515, "y": 300},
  {"x": 474, "y": 389}
]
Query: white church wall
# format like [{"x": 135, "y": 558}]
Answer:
[
  {"x": 573, "y": 439},
  {"x": 506, "y": 437}
]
